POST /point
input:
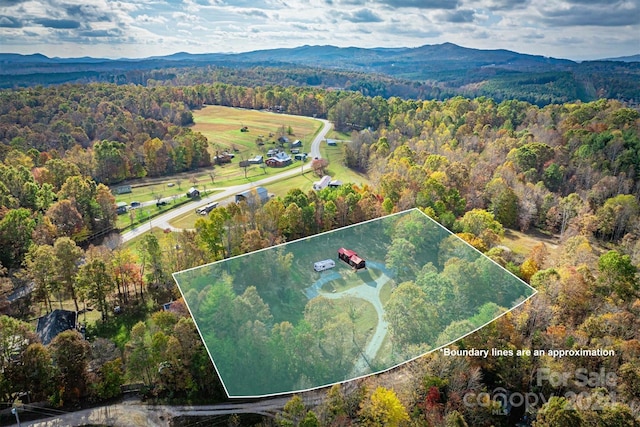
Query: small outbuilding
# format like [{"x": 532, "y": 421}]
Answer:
[
  {"x": 351, "y": 258},
  {"x": 296, "y": 144},
  {"x": 249, "y": 196},
  {"x": 193, "y": 193}
]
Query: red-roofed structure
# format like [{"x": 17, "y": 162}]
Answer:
[{"x": 351, "y": 258}]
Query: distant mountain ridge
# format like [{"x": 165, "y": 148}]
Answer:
[
  {"x": 632, "y": 58},
  {"x": 325, "y": 55},
  {"x": 446, "y": 68}
]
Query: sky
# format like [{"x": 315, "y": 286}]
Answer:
[{"x": 573, "y": 29}]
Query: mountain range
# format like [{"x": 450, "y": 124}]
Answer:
[{"x": 448, "y": 66}]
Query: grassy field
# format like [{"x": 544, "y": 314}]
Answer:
[
  {"x": 522, "y": 243},
  {"x": 351, "y": 279},
  {"x": 334, "y": 134},
  {"x": 337, "y": 169},
  {"x": 221, "y": 126}
]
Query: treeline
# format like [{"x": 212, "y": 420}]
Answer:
[
  {"x": 42, "y": 204},
  {"x": 108, "y": 132},
  {"x": 477, "y": 166},
  {"x": 114, "y": 132},
  {"x": 572, "y": 166}
]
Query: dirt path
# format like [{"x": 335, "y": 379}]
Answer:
[{"x": 372, "y": 295}]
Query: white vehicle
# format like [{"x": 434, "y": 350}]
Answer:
[
  {"x": 204, "y": 210},
  {"x": 324, "y": 265},
  {"x": 319, "y": 185}
]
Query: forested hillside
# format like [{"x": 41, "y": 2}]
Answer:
[
  {"x": 425, "y": 72},
  {"x": 481, "y": 168}
]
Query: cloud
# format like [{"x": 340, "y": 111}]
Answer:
[
  {"x": 459, "y": 16},
  {"x": 618, "y": 14},
  {"x": 112, "y": 32},
  {"x": 11, "y": 2},
  {"x": 253, "y": 12},
  {"x": 87, "y": 12},
  {"x": 59, "y": 24},
  {"x": 421, "y": 4},
  {"x": 9, "y": 22},
  {"x": 506, "y": 5},
  {"x": 362, "y": 15},
  {"x": 146, "y": 19}
]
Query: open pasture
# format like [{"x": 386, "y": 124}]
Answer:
[{"x": 222, "y": 127}]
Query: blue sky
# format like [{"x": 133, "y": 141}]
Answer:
[{"x": 574, "y": 29}]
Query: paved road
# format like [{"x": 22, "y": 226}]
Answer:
[
  {"x": 370, "y": 294},
  {"x": 136, "y": 413},
  {"x": 162, "y": 221}
]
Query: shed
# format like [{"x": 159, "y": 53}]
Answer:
[
  {"x": 351, "y": 258},
  {"x": 249, "y": 196},
  {"x": 52, "y": 324},
  {"x": 332, "y": 142},
  {"x": 296, "y": 144},
  {"x": 193, "y": 193},
  {"x": 283, "y": 139}
]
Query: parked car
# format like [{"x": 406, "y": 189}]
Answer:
[
  {"x": 162, "y": 203},
  {"x": 135, "y": 205}
]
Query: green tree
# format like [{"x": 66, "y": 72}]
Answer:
[
  {"x": 70, "y": 353},
  {"x": 67, "y": 255},
  {"x": 40, "y": 265},
  {"x": 410, "y": 315},
  {"x": 96, "y": 283},
  {"x": 16, "y": 228},
  {"x": 401, "y": 258},
  {"x": 110, "y": 378},
  {"x": 617, "y": 215},
  {"x": 15, "y": 337},
  {"x": 455, "y": 419},
  {"x": 618, "y": 274},
  {"x": 557, "y": 412},
  {"x": 293, "y": 414},
  {"x": 37, "y": 372}
]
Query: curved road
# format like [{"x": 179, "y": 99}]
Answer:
[
  {"x": 162, "y": 221},
  {"x": 371, "y": 295}
]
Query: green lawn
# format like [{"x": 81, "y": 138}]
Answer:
[
  {"x": 337, "y": 169},
  {"x": 350, "y": 278},
  {"x": 221, "y": 126}
]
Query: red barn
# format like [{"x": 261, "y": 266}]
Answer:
[{"x": 351, "y": 258}]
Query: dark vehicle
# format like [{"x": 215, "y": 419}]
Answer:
[
  {"x": 135, "y": 205},
  {"x": 162, "y": 203}
]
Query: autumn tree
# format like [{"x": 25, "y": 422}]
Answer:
[
  {"x": 67, "y": 220},
  {"x": 67, "y": 258},
  {"x": 96, "y": 283},
  {"x": 70, "y": 353},
  {"x": 40, "y": 266},
  {"x": 383, "y": 408}
]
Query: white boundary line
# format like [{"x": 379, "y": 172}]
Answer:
[{"x": 362, "y": 376}]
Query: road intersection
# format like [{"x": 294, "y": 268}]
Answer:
[{"x": 163, "y": 221}]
